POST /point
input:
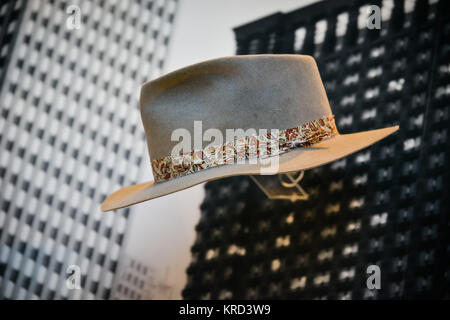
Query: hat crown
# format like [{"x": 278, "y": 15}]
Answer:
[{"x": 241, "y": 92}]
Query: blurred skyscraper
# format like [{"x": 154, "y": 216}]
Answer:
[
  {"x": 139, "y": 281},
  {"x": 386, "y": 205},
  {"x": 70, "y": 133},
  {"x": 134, "y": 281}
]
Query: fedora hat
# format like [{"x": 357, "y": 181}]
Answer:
[{"x": 278, "y": 101}]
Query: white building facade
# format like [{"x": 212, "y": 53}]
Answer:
[{"x": 71, "y": 133}]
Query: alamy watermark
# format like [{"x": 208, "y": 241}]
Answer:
[
  {"x": 73, "y": 21},
  {"x": 374, "y": 280},
  {"x": 373, "y": 17},
  {"x": 73, "y": 281},
  {"x": 268, "y": 155}
]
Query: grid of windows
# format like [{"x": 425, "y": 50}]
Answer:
[
  {"x": 70, "y": 133},
  {"x": 386, "y": 205},
  {"x": 135, "y": 282},
  {"x": 10, "y": 17}
]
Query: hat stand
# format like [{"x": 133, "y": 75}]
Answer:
[{"x": 282, "y": 186}]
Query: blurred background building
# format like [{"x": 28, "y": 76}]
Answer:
[
  {"x": 70, "y": 133},
  {"x": 134, "y": 281},
  {"x": 10, "y": 17},
  {"x": 139, "y": 281},
  {"x": 386, "y": 205}
]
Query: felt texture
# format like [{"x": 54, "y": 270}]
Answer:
[{"x": 254, "y": 91}]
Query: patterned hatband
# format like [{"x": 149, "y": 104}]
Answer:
[{"x": 265, "y": 145}]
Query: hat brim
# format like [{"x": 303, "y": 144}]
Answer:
[{"x": 294, "y": 160}]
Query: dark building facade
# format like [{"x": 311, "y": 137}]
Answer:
[{"x": 386, "y": 205}]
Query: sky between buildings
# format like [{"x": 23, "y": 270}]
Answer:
[{"x": 162, "y": 231}]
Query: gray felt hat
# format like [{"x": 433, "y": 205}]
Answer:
[{"x": 261, "y": 92}]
